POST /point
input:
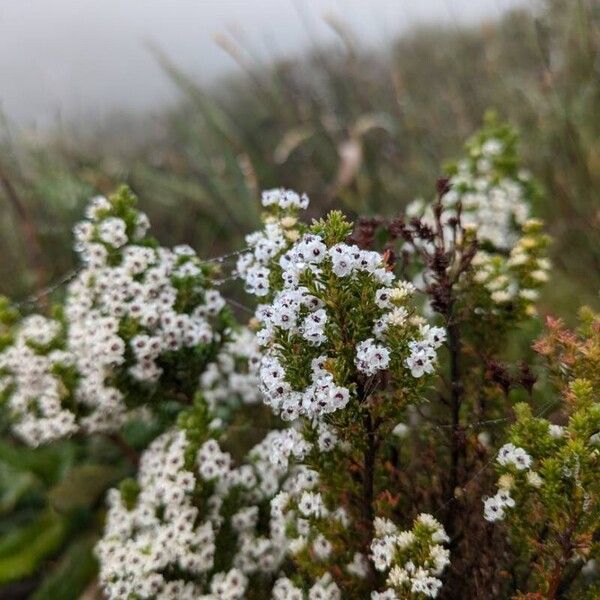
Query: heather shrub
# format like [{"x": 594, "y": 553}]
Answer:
[{"x": 409, "y": 440}]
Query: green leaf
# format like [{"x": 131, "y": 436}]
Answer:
[
  {"x": 47, "y": 463},
  {"x": 24, "y": 549},
  {"x": 14, "y": 486},
  {"x": 82, "y": 486},
  {"x": 69, "y": 579}
]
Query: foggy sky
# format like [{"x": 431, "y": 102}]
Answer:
[{"x": 81, "y": 59}]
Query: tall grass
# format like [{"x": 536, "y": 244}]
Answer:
[{"x": 354, "y": 128}]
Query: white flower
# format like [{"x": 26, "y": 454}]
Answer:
[
  {"x": 384, "y": 527},
  {"x": 359, "y": 567},
  {"x": 342, "y": 261},
  {"x": 539, "y": 275},
  {"x": 401, "y": 430},
  {"x": 425, "y": 584},
  {"x": 501, "y": 296},
  {"x": 511, "y": 455},
  {"x": 533, "y": 479},
  {"x": 322, "y": 547},
  {"x": 311, "y": 505},
  {"x": 383, "y": 297},
  {"x": 432, "y": 336},
  {"x": 493, "y": 509},
  {"x": 397, "y": 577},
  {"x": 389, "y": 594},
  {"x": 325, "y": 589},
  {"x": 404, "y": 539},
  {"x": 113, "y": 231},
  {"x": 556, "y": 431},
  {"x": 440, "y": 557},
  {"x": 313, "y": 327},
  {"x": 530, "y": 295},
  {"x": 284, "y": 199},
  {"x": 421, "y": 359},
  {"x": 371, "y": 357},
  {"x": 382, "y": 552},
  {"x": 403, "y": 290},
  {"x": 492, "y": 147},
  {"x": 503, "y": 496}
]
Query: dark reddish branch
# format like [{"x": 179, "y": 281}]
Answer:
[
  {"x": 33, "y": 246},
  {"x": 369, "y": 471},
  {"x": 370, "y": 428},
  {"x": 555, "y": 580},
  {"x": 446, "y": 262},
  {"x": 445, "y": 275},
  {"x": 445, "y": 300},
  {"x": 128, "y": 451},
  {"x": 368, "y": 480},
  {"x": 566, "y": 551},
  {"x": 456, "y": 442},
  {"x": 573, "y": 570}
]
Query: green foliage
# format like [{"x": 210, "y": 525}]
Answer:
[
  {"x": 196, "y": 424},
  {"x": 72, "y": 574},
  {"x": 8, "y": 317},
  {"x": 82, "y": 486},
  {"x": 130, "y": 490},
  {"x": 25, "y": 548},
  {"x": 334, "y": 229},
  {"x": 47, "y": 497},
  {"x": 557, "y": 512}
]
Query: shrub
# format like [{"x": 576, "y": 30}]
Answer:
[{"x": 387, "y": 354}]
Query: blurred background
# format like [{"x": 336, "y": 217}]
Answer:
[{"x": 200, "y": 104}]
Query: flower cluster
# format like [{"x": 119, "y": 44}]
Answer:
[
  {"x": 320, "y": 397},
  {"x": 339, "y": 351},
  {"x": 491, "y": 202},
  {"x": 323, "y": 282},
  {"x": 372, "y": 357},
  {"x": 335, "y": 326},
  {"x": 315, "y": 535},
  {"x": 284, "y": 199},
  {"x": 324, "y": 589},
  {"x": 133, "y": 311},
  {"x": 513, "y": 458},
  {"x": 423, "y": 355},
  {"x": 488, "y": 198},
  {"x": 300, "y": 512},
  {"x": 30, "y": 378},
  {"x": 414, "y": 559},
  {"x": 494, "y": 197},
  {"x": 160, "y": 532},
  {"x": 514, "y": 281},
  {"x": 510, "y": 455},
  {"x": 233, "y": 376},
  {"x": 254, "y": 266},
  {"x": 164, "y": 530},
  {"x": 559, "y": 454},
  {"x": 548, "y": 472},
  {"x": 494, "y": 507}
]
